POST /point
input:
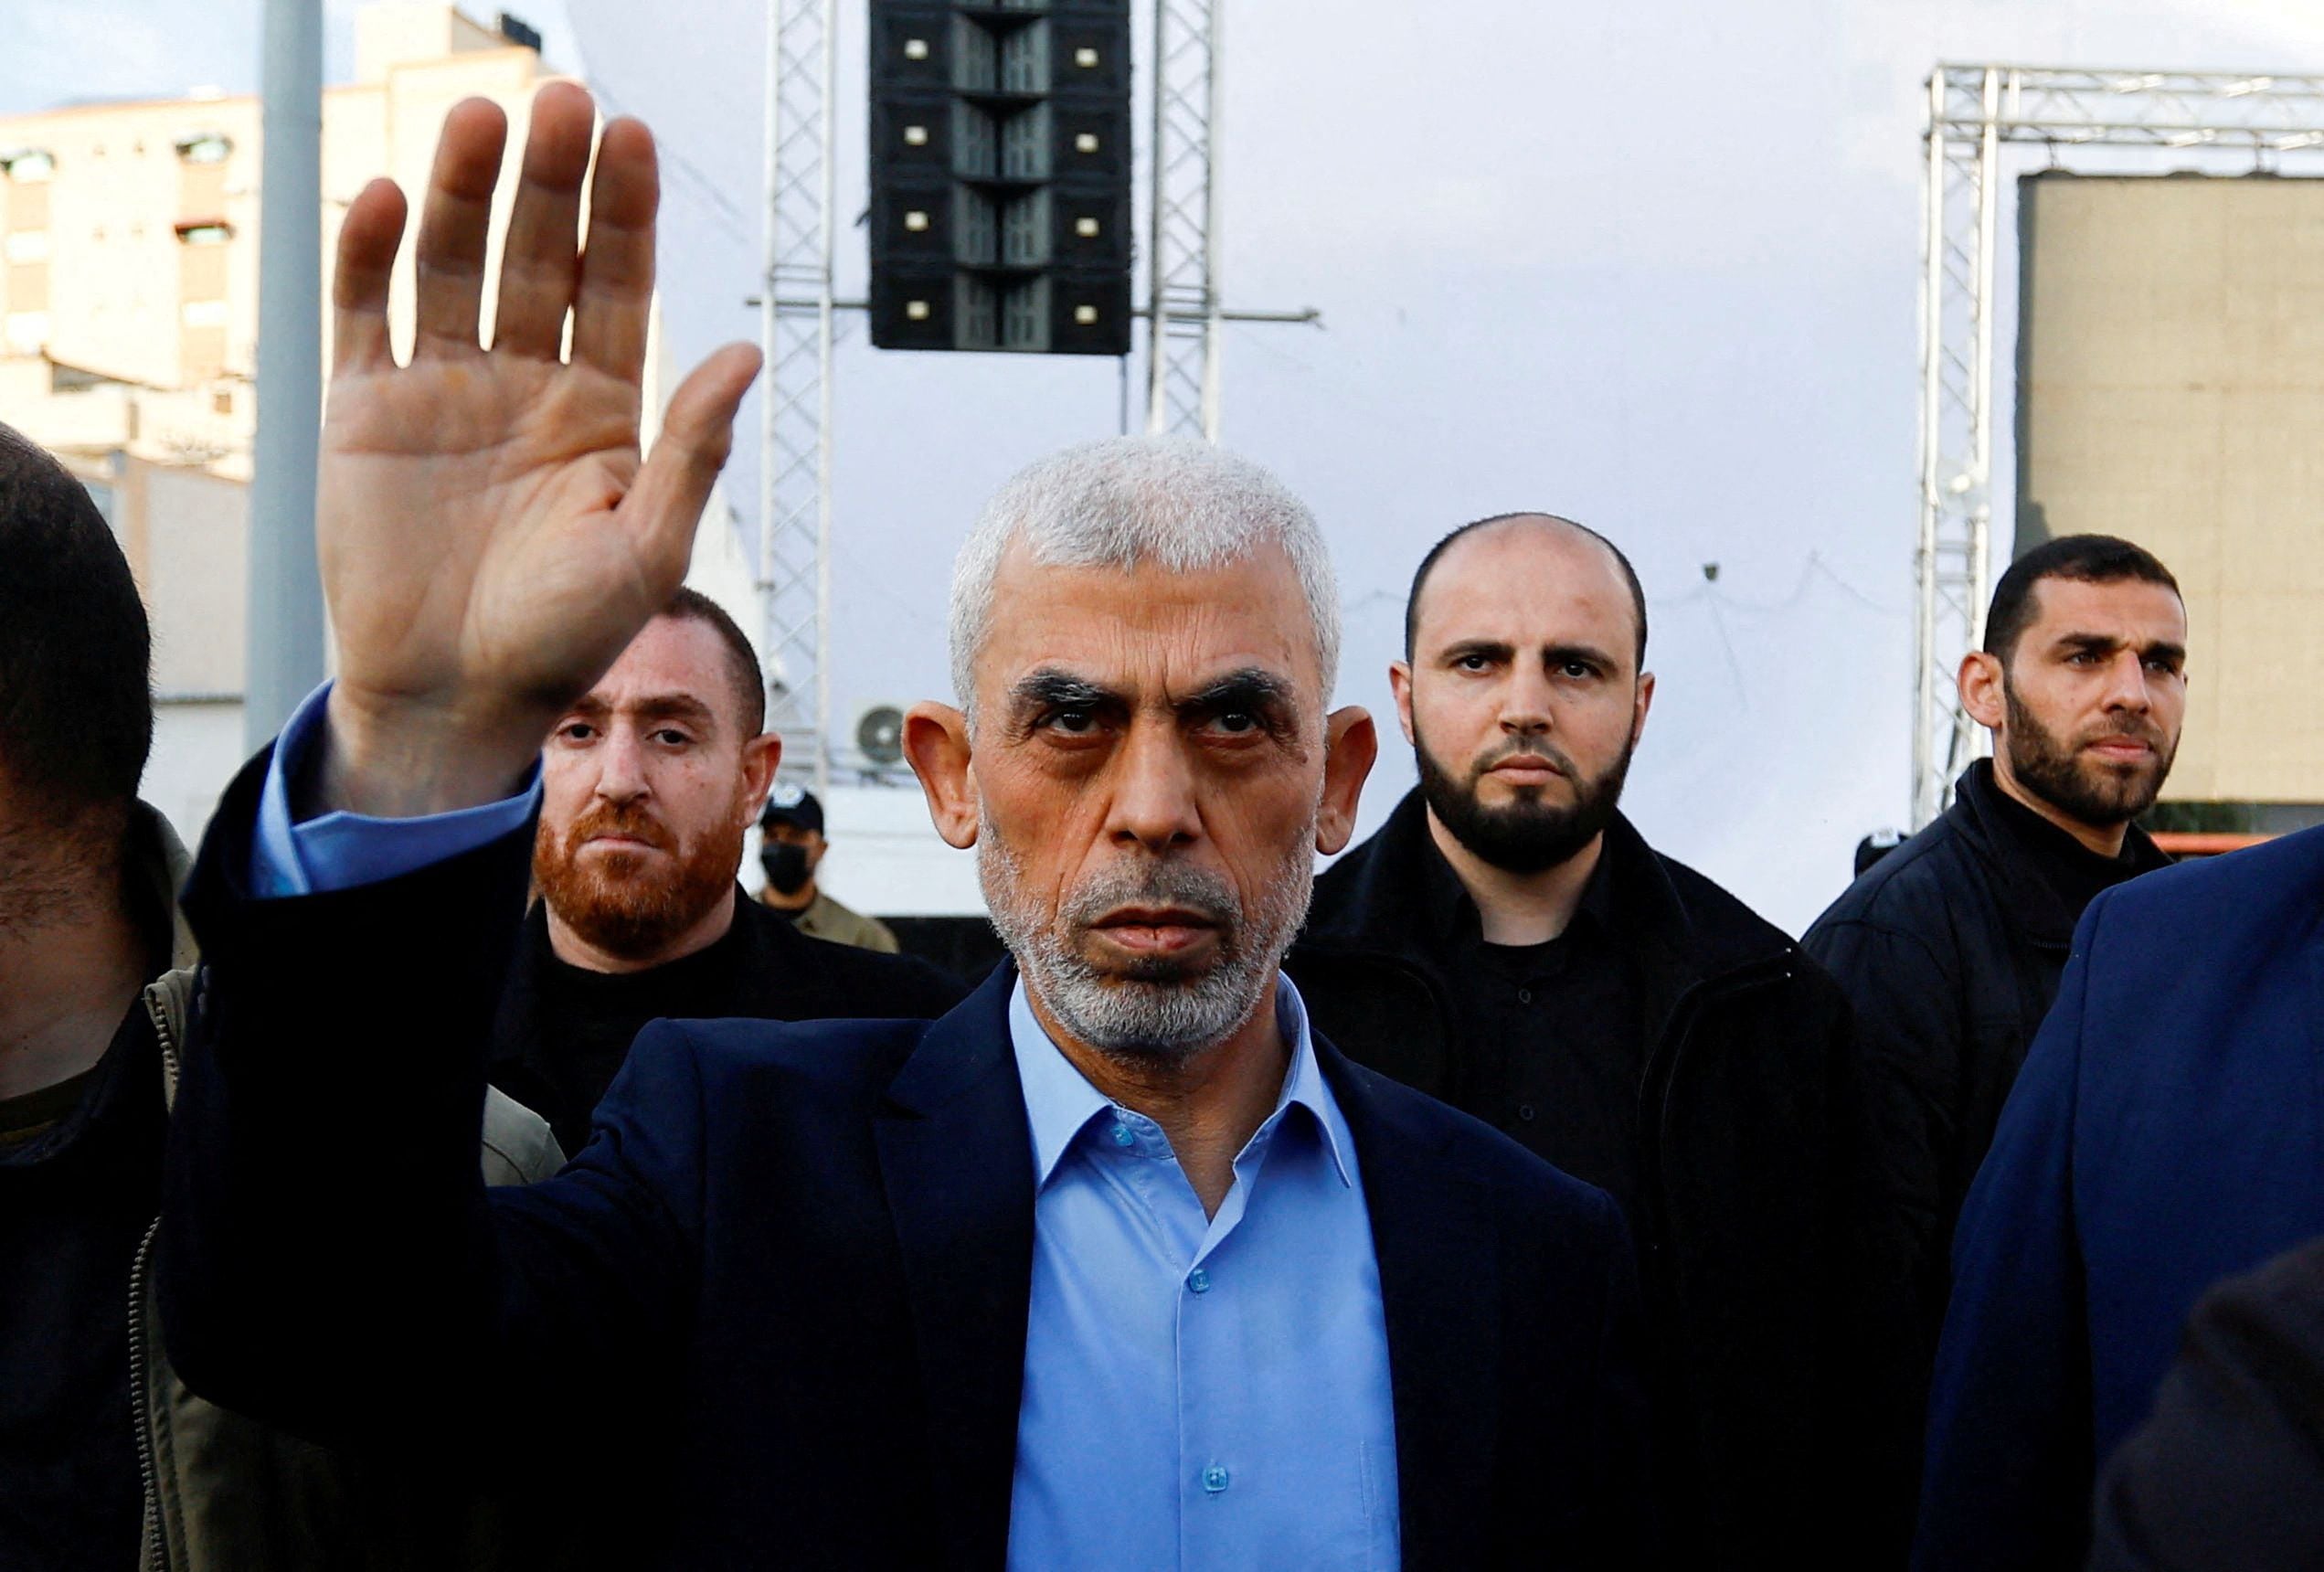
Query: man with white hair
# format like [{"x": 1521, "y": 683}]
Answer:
[{"x": 1116, "y": 1265}]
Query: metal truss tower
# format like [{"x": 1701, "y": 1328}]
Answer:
[
  {"x": 1182, "y": 308},
  {"x": 795, "y": 321},
  {"x": 1973, "y": 110}
]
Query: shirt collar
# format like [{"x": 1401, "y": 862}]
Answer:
[{"x": 1060, "y": 1103}]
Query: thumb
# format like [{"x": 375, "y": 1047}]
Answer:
[{"x": 665, "y": 501}]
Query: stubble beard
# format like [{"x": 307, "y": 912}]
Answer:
[
  {"x": 1160, "y": 1010},
  {"x": 624, "y": 903},
  {"x": 1529, "y": 834},
  {"x": 2086, "y": 791}
]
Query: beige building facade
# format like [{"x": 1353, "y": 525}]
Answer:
[
  {"x": 2171, "y": 392},
  {"x": 129, "y": 316}
]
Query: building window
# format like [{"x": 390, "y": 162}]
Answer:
[
  {"x": 204, "y": 312},
  {"x": 204, "y": 147},
  {"x": 206, "y": 234},
  {"x": 26, "y": 246},
  {"x": 28, "y": 165}
]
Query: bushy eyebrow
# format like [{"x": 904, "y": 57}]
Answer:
[
  {"x": 2106, "y": 644},
  {"x": 1251, "y": 690},
  {"x": 1552, "y": 654},
  {"x": 655, "y": 706}
]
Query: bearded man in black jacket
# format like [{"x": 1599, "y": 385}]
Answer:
[
  {"x": 648, "y": 784},
  {"x": 1510, "y": 943},
  {"x": 1951, "y": 947}
]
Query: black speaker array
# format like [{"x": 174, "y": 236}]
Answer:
[{"x": 1001, "y": 176}]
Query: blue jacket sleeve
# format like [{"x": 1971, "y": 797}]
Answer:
[{"x": 2007, "y": 1478}]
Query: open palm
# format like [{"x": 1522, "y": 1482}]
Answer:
[{"x": 489, "y": 538}]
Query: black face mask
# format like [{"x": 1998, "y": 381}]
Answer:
[{"x": 786, "y": 865}]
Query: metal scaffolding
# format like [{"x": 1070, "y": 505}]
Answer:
[
  {"x": 795, "y": 319},
  {"x": 1182, "y": 305},
  {"x": 1973, "y": 110}
]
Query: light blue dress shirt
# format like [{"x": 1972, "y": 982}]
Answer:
[
  {"x": 1201, "y": 1393},
  {"x": 342, "y": 850}
]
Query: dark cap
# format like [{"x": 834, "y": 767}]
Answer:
[{"x": 789, "y": 803}]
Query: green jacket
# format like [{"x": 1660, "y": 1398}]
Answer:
[
  {"x": 827, "y": 919},
  {"x": 224, "y": 1494}
]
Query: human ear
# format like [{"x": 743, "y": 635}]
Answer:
[
  {"x": 1644, "y": 702},
  {"x": 1400, "y": 686},
  {"x": 760, "y": 757},
  {"x": 1351, "y": 743},
  {"x": 936, "y": 744},
  {"x": 1984, "y": 689}
]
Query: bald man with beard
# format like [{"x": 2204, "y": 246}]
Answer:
[{"x": 648, "y": 784}]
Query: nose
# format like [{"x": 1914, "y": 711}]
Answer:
[
  {"x": 2127, "y": 684},
  {"x": 1153, "y": 799},
  {"x": 1524, "y": 701},
  {"x": 621, "y": 766}
]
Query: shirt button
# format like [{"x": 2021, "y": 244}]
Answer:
[
  {"x": 1524, "y": 996},
  {"x": 1199, "y": 1280},
  {"x": 1214, "y": 1479},
  {"x": 1525, "y": 1111},
  {"x": 1124, "y": 1136}
]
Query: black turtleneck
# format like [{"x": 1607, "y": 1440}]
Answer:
[
  {"x": 564, "y": 1030},
  {"x": 593, "y": 1017}
]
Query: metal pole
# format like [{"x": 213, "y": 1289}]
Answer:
[
  {"x": 1932, "y": 304},
  {"x": 283, "y": 627},
  {"x": 770, "y": 401},
  {"x": 824, "y": 308},
  {"x": 1989, "y": 171},
  {"x": 1157, "y": 262},
  {"x": 1211, "y": 191}
]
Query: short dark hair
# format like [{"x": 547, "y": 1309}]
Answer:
[
  {"x": 2086, "y": 559},
  {"x": 749, "y": 683},
  {"x": 76, "y": 654},
  {"x": 1428, "y": 564}
]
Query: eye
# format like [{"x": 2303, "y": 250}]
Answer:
[
  {"x": 2082, "y": 658},
  {"x": 577, "y": 731},
  {"x": 1578, "y": 670},
  {"x": 1472, "y": 662},
  {"x": 1071, "y": 722},
  {"x": 1238, "y": 722}
]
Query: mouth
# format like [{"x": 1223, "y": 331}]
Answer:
[
  {"x": 622, "y": 844},
  {"x": 1156, "y": 930},
  {"x": 2120, "y": 749},
  {"x": 1526, "y": 769}
]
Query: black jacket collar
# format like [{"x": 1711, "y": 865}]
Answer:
[
  {"x": 775, "y": 977},
  {"x": 1685, "y": 928},
  {"x": 1984, "y": 820}
]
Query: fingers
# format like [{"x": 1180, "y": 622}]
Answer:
[
  {"x": 665, "y": 502},
  {"x": 612, "y": 309},
  {"x": 453, "y": 225},
  {"x": 367, "y": 241},
  {"x": 538, "y": 264}
]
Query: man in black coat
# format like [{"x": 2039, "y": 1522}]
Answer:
[
  {"x": 1510, "y": 943},
  {"x": 647, "y": 785},
  {"x": 1116, "y": 1265},
  {"x": 1951, "y": 946}
]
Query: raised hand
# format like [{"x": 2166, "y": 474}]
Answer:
[{"x": 490, "y": 539}]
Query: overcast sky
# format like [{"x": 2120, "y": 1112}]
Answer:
[{"x": 1650, "y": 265}]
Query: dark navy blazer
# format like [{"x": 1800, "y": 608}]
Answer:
[
  {"x": 788, "y": 1277},
  {"x": 2166, "y": 1131}
]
